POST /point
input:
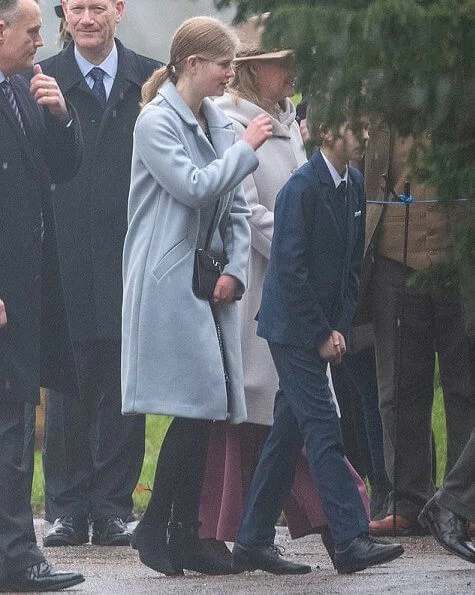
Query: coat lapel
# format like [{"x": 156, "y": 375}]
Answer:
[
  {"x": 29, "y": 141},
  {"x": 129, "y": 73},
  {"x": 329, "y": 191},
  {"x": 10, "y": 116},
  {"x": 352, "y": 208}
]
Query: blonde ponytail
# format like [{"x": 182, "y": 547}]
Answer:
[{"x": 204, "y": 36}]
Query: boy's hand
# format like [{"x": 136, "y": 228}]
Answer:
[{"x": 333, "y": 348}]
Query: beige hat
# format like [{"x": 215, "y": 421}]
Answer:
[{"x": 278, "y": 55}]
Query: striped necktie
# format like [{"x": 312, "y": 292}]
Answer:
[{"x": 10, "y": 95}]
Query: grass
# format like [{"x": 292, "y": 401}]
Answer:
[{"x": 155, "y": 431}]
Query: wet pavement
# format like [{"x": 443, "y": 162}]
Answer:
[{"x": 424, "y": 568}]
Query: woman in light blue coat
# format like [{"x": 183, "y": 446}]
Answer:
[{"x": 181, "y": 354}]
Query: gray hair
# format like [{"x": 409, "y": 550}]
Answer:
[{"x": 9, "y": 10}]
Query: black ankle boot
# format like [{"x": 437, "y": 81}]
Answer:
[
  {"x": 187, "y": 551},
  {"x": 151, "y": 543}
]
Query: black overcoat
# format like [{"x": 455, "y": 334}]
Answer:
[
  {"x": 29, "y": 163},
  {"x": 91, "y": 210}
]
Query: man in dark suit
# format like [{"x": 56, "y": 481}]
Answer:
[
  {"x": 40, "y": 145},
  {"x": 308, "y": 301},
  {"x": 93, "y": 455}
]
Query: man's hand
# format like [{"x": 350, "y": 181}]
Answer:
[
  {"x": 3, "y": 314},
  {"x": 225, "y": 289},
  {"x": 46, "y": 91},
  {"x": 333, "y": 348}
]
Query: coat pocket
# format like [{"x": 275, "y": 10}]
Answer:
[{"x": 171, "y": 258}]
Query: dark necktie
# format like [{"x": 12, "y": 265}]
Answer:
[
  {"x": 98, "y": 87},
  {"x": 341, "y": 204},
  {"x": 10, "y": 95}
]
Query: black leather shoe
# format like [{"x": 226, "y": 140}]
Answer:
[
  {"x": 265, "y": 557},
  {"x": 67, "y": 530},
  {"x": 42, "y": 577},
  {"x": 151, "y": 543},
  {"x": 187, "y": 551},
  {"x": 449, "y": 529},
  {"x": 364, "y": 551},
  {"x": 110, "y": 530}
]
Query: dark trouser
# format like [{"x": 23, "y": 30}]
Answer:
[
  {"x": 458, "y": 491},
  {"x": 18, "y": 548},
  {"x": 179, "y": 474},
  {"x": 433, "y": 323},
  {"x": 304, "y": 414},
  {"x": 92, "y": 453},
  {"x": 361, "y": 369},
  {"x": 29, "y": 445}
]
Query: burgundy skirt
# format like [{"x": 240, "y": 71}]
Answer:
[{"x": 232, "y": 458}]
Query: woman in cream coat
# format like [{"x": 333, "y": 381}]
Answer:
[
  {"x": 186, "y": 174},
  {"x": 263, "y": 84}
]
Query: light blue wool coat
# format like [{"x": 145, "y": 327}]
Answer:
[{"x": 171, "y": 362}]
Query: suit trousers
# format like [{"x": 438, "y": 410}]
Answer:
[
  {"x": 18, "y": 548},
  {"x": 304, "y": 414},
  {"x": 433, "y": 322},
  {"x": 93, "y": 454},
  {"x": 458, "y": 490}
]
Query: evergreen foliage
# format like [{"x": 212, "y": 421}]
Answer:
[{"x": 415, "y": 60}]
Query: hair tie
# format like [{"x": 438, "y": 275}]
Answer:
[{"x": 171, "y": 68}]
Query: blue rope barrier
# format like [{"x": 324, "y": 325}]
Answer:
[{"x": 409, "y": 200}]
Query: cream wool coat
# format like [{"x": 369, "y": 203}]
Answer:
[
  {"x": 279, "y": 157},
  {"x": 171, "y": 362}
]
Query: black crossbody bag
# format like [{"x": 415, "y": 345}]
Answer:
[{"x": 208, "y": 266}]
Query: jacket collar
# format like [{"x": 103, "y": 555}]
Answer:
[
  {"x": 69, "y": 75},
  {"x": 243, "y": 111},
  {"x": 329, "y": 191},
  {"x": 215, "y": 117}
]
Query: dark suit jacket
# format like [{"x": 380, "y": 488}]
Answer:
[
  {"x": 29, "y": 163},
  {"x": 91, "y": 211},
  {"x": 311, "y": 282}
]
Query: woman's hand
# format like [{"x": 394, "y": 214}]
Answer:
[
  {"x": 258, "y": 131},
  {"x": 225, "y": 289},
  {"x": 3, "y": 314}
]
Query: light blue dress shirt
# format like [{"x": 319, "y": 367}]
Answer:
[{"x": 109, "y": 66}]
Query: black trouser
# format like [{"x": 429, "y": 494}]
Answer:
[
  {"x": 179, "y": 474},
  {"x": 18, "y": 548},
  {"x": 433, "y": 323},
  {"x": 458, "y": 491},
  {"x": 92, "y": 453}
]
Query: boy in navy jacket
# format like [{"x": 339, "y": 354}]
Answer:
[{"x": 308, "y": 301}]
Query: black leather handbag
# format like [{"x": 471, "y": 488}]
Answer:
[
  {"x": 208, "y": 267},
  {"x": 209, "y": 264}
]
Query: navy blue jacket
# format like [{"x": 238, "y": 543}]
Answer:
[{"x": 312, "y": 278}]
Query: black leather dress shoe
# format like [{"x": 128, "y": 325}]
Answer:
[
  {"x": 67, "y": 530},
  {"x": 42, "y": 577},
  {"x": 449, "y": 529},
  {"x": 364, "y": 551},
  {"x": 110, "y": 530},
  {"x": 265, "y": 557}
]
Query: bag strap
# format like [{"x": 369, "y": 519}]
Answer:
[{"x": 212, "y": 225}]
